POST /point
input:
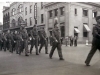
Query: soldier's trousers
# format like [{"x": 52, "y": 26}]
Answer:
[
  {"x": 0, "y": 45},
  {"x": 34, "y": 42},
  {"x": 58, "y": 46},
  {"x": 18, "y": 47},
  {"x": 71, "y": 42},
  {"x": 75, "y": 43},
  {"x": 10, "y": 45},
  {"x": 5, "y": 45},
  {"x": 26, "y": 46},
  {"x": 95, "y": 46},
  {"x": 43, "y": 43}
]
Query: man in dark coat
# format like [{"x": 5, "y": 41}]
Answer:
[
  {"x": 43, "y": 41},
  {"x": 34, "y": 41},
  {"x": 95, "y": 41},
  {"x": 56, "y": 42}
]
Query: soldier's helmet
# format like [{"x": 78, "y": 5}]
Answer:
[{"x": 97, "y": 18}]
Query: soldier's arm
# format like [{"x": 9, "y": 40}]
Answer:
[
  {"x": 53, "y": 36},
  {"x": 95, "y": 32},
  {"x": 32, "y": 34}
]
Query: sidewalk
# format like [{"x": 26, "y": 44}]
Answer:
[{"x": 78, "y": 45}]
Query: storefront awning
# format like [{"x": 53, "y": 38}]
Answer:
[
  {"x": 87, "y": 28},
  {"x": 76, "y": 30}
]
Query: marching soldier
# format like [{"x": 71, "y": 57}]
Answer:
[
  {"x": 1, "y": 40},
  {"x": 24, "y": 35},
  {"x": 10, "y": 39},
  {"x": 56, "y": 42},
  {"x": 4, "y": 41},
  {"x": 95, "y": 41},
  {"x": 34, "y": 41},
  {"x": 43, "y": 41}
]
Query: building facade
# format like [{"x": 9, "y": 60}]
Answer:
[
  {"x": 74, "y": 18},
  {"x": 6, "y": 18}
]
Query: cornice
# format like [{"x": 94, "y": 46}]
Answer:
[{"x": 90, "y": 3}]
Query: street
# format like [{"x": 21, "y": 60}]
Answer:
[{"x": 13, "y": 64}]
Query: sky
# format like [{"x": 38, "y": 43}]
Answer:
[{"x": 1, "y": 9}]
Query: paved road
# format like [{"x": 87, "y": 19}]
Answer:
[{"x": 13, "y": 64}]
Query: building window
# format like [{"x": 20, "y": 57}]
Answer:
[
  {"x": 26, "y": 21},
  {"x": 85, "y": 33},
  {"x": 85, "y": 12},
  {"x": 26, "y": 11},
  {"x": 13, "y": 11},
  {"x": 50, "y": 13},
  {"x": 94, "y": 14},
  {"x": 56, "y": 12},
  {"x": 75, "y": 11},
  {"x": 41, "y": 5},
  {"x": 20, "y": 8},
  {"x": 31, "y": 9},
  {"x": 62, "y": 10},
  {"x": 30, "y": 21},
  {"x": 42, "y": 18},
  {"x": 13, "y": 23}
]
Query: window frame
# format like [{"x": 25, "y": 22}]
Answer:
[
  {"x": 42, "y": 18},
  {"x": 84, "y": 15}
]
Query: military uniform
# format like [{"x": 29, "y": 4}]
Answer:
[
  {"x": 10, "y": 39},
  {"x": 95, "y": 44},
  {"x": 43, "y": 41},
  {"x": 19, "y": 43},
  {"x": 1, "y": 41},
  {"x": 34, "y": 41},
  {"x": 24, "y": 35},
  {"x": 56, "y": 43},
  {"x": 4, "y": 42}
]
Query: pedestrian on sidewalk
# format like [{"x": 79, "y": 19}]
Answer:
[
  {"x": 95, "y": 41},
  {"x": 71, "y": 40},
  {"x": 66, "y": 39},
  {"x": 75, "y": 40}
]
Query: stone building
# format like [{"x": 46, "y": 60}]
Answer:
[{"x": 74, "y": 18}]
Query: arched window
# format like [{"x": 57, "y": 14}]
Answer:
[
  {"x": 20, "y": 19},
  {"x": 13, "y": 23},
  {"x": 20, "y": 8},
  {"x": 13, "y": 11}
]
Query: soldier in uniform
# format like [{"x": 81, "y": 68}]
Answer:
[
  {"x": 24, "y": 35},
  {"x": 1, "y": 40},
  {"x": 43, "y": 41},
  {"x": 95, "y": 41},
  {"x": 56, "y": 42},
  {"x": 4, "y": 41},
  {"x": 34, "y": 41},
  {"x": 10, "y": 39}
]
